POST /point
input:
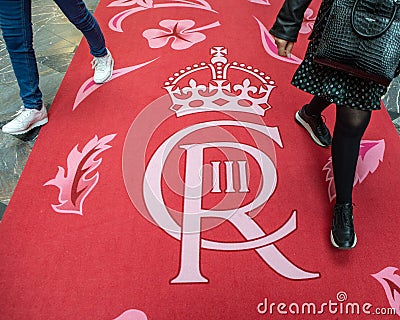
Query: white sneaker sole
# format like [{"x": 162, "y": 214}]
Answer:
[
  {"x": 32, "y": 126},
  {"x": 306, "y": 126},
  {"x": 109, "y": 76},
  {"x": 337, "y": 246}
]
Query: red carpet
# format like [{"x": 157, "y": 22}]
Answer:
[{"x": 183, "y": 189}]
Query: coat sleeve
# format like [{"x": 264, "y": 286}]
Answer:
[{"x": 289, "y": 19}]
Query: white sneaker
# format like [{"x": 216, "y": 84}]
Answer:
[
  {"x": 25, "y": 120},
  {"x": 103, "y": 68}
]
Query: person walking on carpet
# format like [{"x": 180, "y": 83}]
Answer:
[
  {"x": 16, "y": 26},
  {"x": 355, "y": 98}
]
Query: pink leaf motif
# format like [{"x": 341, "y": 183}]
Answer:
[
  {"x": 369, "y": 158},
  {"x": 125, "y": 3},
  {"x": 89, "y": 86},
  {"x": 390, "y": 281},
  {"x": 264, "y": 2},
  {"x": 132, "y": 314},
  {"x": 270, "y": 47},
  {"x": 371, "y": 154},
  {"x": 308, "y": 22},
  {"x": 78, "y": 181}
]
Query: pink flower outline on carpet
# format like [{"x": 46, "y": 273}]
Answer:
[
  {"x": 270, "y": 47},
  {"x": 132, "y": 314},
  {"x": 75, "y": 183},
  {"x": 390, "y": 281},
  {"x": 89, "y": 86},
  {"x": 370, "y": 156},
  {"x": 179, "y": 31}
]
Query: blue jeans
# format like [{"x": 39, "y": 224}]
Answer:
[
  {"x": 16, "y": 26},
  {"x": 79, "y": 15}
]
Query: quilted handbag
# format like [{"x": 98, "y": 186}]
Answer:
[{"x": 362, "y": 37}]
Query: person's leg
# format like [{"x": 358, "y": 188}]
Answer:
[
  {"x": 15, "y": 23},
  {"x": 316, "y": 106},
  {"x": 309, "y": 116},
  {"x": 79, "y": 15},
  {"x": 349, "y": 128}
]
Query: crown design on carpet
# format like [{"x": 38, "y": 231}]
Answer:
[{"x": 220, "y": 93}]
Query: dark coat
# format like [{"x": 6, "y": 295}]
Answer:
[{"x": 289, "y": 19}]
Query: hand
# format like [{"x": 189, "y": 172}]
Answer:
[{"x": 284, "y": 47}]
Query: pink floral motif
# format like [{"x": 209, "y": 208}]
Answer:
[
  {"x": 308, "y": 21},
  {"x": 79, "y": 179},
  {"x": 369, "y": 158},
  {"x": 125, "y": 3},
  {"x": 179, "y": 31},
  {"x": 389, "y": 278}
]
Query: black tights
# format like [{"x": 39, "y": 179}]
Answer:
[
  {"x": 316, "y": 106},
  {"x": 349, "y": 128}
]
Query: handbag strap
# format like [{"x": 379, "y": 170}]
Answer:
[{"x": 378, "y": 34}]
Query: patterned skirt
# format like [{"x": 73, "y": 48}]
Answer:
[{"x": 336, "y": 86}]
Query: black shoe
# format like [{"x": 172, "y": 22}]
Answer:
[
  {"x": 342, "y": 233},
  {"x": 315, "y": 127}
]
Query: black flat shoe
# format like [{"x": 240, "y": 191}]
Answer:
[{"x": 342, "y": 233}]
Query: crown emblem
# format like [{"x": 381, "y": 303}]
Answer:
[{"x": 230, "y": 87}]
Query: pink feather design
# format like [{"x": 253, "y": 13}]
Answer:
[
  {"x": 125, "y": 3},
  {"x": 270, "y": 47},
  {"x": 390, "y": 281},
  {"x": 308, "y": 22},
  {"x": 369, "y": 158},
  {"x": 132, "y": 314},
  {"x": 115, "y": 22},
  {"x": 79, "y": 179},
  {"x": 329, "y": 178},
  {"x": 202, "y": 3},
  {"x": 89, "y": 86}
]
